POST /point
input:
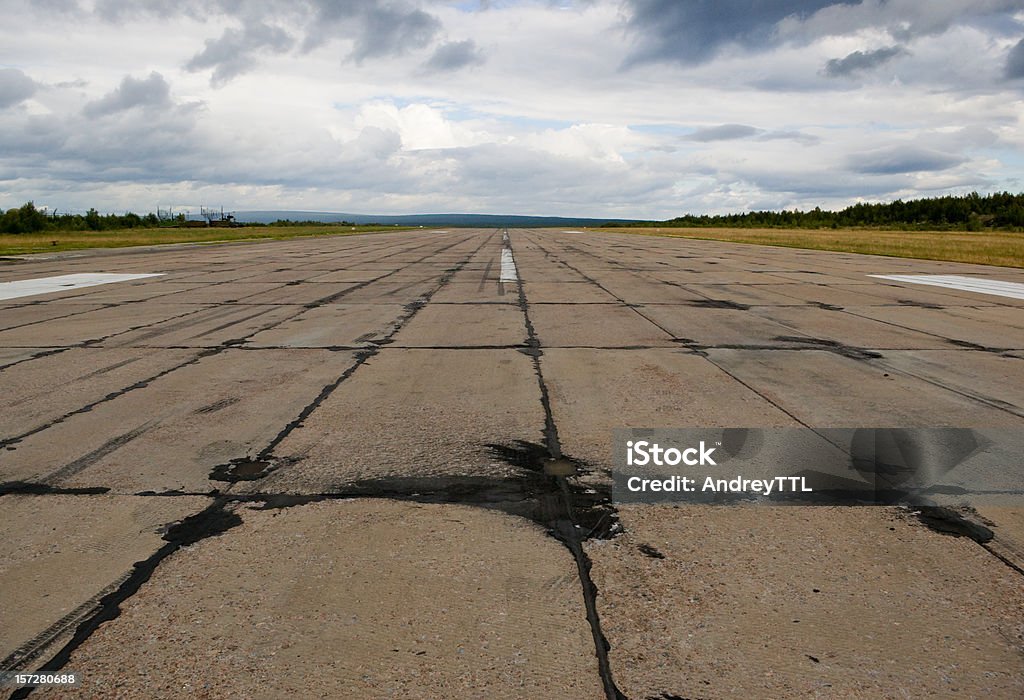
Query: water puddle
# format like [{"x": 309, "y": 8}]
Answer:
[{"x": 559, "y": 467}]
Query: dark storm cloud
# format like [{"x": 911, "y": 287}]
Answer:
[
  {"x": 725, "y": 132},
  {"x": 132, "y": 92},
  {"x": 234, "y": 52},
  {"x": 1015, "y": 61},
  {"x": 377, "y": 27},
  {"x": 455, "y": 55},
  {"x": 902, "y": 159},
  {"x": 907, "y": 20},
  {"x": 15, "y": 87},
  {"x": 692, "y": 31},
  {"x": 861, "y": 61}
]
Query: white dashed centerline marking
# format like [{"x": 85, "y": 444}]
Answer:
[
  {"x": 63, "y": 283},
  {"x": 1014, "y": 290},
  {"x": 508, "y": 263}
]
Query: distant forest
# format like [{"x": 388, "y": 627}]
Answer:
[
  {"x": 971, "y": 212},
  {"x": 28, "y": 219}
]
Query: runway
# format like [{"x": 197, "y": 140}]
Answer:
[{"x": 316, "y": 466}]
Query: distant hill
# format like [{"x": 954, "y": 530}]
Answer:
[{"x": 462, "y": 220}]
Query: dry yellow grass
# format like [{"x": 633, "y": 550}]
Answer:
[
  {"x": 54, "y": 241},
  {"x": 988, "y": 248}
]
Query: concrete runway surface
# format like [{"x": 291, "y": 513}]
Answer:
[{"x": 316, "y": 468}]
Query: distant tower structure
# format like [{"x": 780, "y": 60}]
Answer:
[{"x": 218, "y": 219}]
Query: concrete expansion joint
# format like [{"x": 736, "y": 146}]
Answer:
[{"x": 565, "y": 527}]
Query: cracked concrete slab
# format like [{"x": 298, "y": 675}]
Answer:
[
  {"x": 94, "y": 325},
  {"x": 331, "y": 325},
  {"x": 60, "y": 553},
  {"x": 168, "y": 436},
  {"x": 464, "y": 325},
  {"x": 594, "y": 392},
  {"x": 825, "y": 389},
  {"x": 982, "y": 332},
  {"x": 407, "y": 413},
  {"x": 85, "y": 376},
  {"x": 427, "y": 599},
  {"x": 786, "y": 601},
  {"x": 13, "y": 315},
  {"x": 589, "y": 325},
  {"x": 848, "y": 328},
  {"x": 447, "y": 445}
]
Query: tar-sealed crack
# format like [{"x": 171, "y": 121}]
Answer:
[
  {"x": 36, "y": 489},
  {"x": 251, "y": 468},
  {"x": 562, "y": 512},
  {"x": 142, "y": 383},
  {"x": 854, "y": 353},
  {"x": 213, "y": 520},
  {"x": 717, "y": 303},
  {"x": 949, "y": 522},
  {"x": 119, "y": 441}
]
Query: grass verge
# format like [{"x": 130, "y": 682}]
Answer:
[
  {"x": 984, "y": 248},
  {"x": 55, "y": 241}
]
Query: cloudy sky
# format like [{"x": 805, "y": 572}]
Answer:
[{"x": 636, "y": 108}]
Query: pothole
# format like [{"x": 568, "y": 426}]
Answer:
[{"x": 241, "y": 469}]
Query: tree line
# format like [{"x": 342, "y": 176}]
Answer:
[
  {"x": 972, "y": 212},
  {"x": 29, "y": 219}
]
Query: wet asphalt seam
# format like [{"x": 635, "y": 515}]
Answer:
[{"x": 566, "y": 529}]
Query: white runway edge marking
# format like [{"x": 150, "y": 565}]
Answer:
[
  {"x": 508, "y": 263},
  {"x": 62, "y": 283},
  {"x": 1014, "y": 290}
]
